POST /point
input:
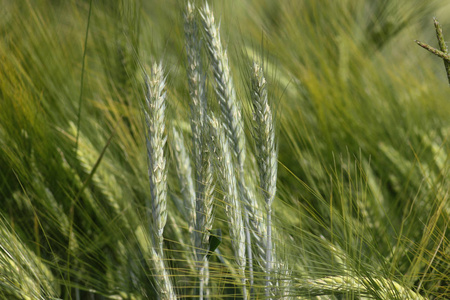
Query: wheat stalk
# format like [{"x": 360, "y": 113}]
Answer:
[{"x": 225, "y": 169}]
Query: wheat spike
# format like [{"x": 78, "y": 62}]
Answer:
[
  {"x": 224, "y": 86},
  {"x": 163, "y": 283},
  {"x": 203, "y": 168},
  {"x": 184, "y": 172},
  {"x": 264, "y": 135},
  {"x": 156, "y": 140},
  {"x": 196, "y": 83},
  {"x": 386, "y": 289},
  {"x": 231, "y": 114},
  {"x": 223, "y": 157}
]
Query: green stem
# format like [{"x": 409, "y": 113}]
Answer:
[{"x": 83, "y": 62}]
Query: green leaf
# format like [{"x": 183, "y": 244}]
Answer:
[{"x": 214, "y": 241}]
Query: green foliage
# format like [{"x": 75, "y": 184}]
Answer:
[{"x": 362, "y": 205}]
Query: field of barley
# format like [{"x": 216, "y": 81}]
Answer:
[{"x": 239, "y": 149}]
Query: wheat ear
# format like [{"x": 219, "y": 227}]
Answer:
[
  {"x": 386, "y": 289},
  {"x": 264, "y": 136},
  {"x": 231, "y": 114},
  {"x": 162, "y": 280},
  {"x": 443, "y": 52},
  {"x": 203, "y": 168},
  {"x": 204, "y": 215},
  {"x": 225, "y": 169},
  {"x": 224, "y": 86},
  {"x": 283, "y": 280},
  {"x": 254, "y": 227},
  {"x": 442, "y": 46},
  {"x": 443, "y": 55},
  {"x": 156, "y": 140},
  {"x": 184, "y": 172},
  {"x": 196, "y": 83}
]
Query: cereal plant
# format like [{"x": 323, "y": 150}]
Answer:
[{"x": 224, "y": 150}]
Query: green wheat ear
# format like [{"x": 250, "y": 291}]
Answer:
[
  {"x": 443, "y": 52},
  {"x": 266, "y": 151}
]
